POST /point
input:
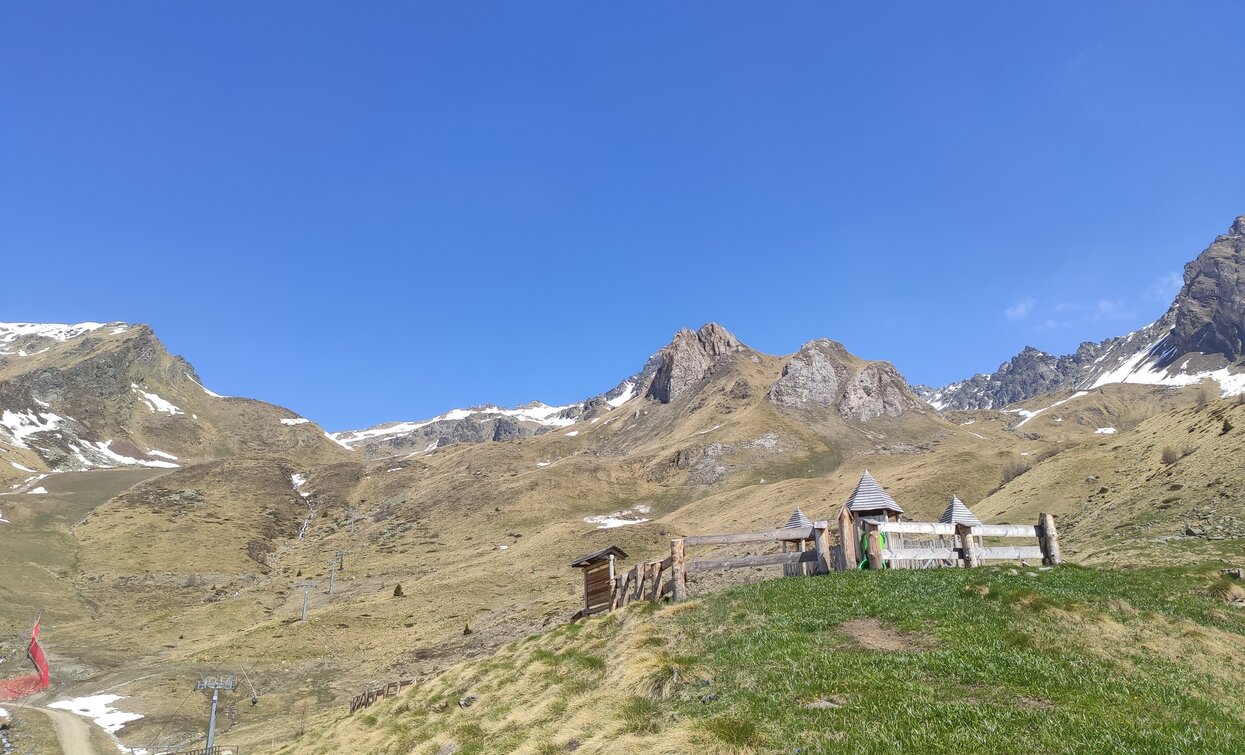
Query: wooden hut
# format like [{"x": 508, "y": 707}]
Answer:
[
  {"x": 598, "y": 568},
  {"x": 867, "y": 501},
  {"x": 797, "y": 520}
]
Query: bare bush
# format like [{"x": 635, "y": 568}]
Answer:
[
  {"x": 1170, "y": 455},
  {"x": 1014, "y": 469}
]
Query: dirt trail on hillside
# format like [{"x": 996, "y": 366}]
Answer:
[{"x": 73, "y": 732}]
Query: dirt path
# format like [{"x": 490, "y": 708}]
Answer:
[{"x": 73, "y": 732}]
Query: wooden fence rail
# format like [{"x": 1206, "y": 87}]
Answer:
[
  {"x": 969, "y": 551},
  {"x": 368, "y": 697},
  {"x": 821, "y": 559}
]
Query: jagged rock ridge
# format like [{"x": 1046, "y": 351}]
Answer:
[{"x": 1200, "y": 336}]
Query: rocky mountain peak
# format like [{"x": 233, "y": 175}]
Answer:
[
  {"x": 688, "y": 358},
  {"x": 1210, "y": 308},
  {"x": 824, "y": 374},
  {"x": 1207, "y": 318}
]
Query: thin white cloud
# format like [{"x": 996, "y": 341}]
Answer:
[
  {"x": 1109, "y": 308},
  {"x": 1165, "y": 288},
  {"x": 1021, "y": 308}
]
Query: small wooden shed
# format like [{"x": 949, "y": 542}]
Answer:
[{"x": 598, "y": 568}]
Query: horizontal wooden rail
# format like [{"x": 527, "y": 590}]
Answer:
[
  {"x": 803, "y": 557},
  {"x": 1005, "y": 530},
  {"x": 768, "y": 536},
  {"x": 997, "y": 554},
  {"x": 919, "y": 554},
  {"x": 917, "y": 528},
  {"x": 1010, "y": 553},
  {"x": 981, "y": 530}
]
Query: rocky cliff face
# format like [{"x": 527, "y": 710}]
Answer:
[
  {"x": 1209, "y": 311},
  {"x": 824, "y": 374},
  {"x": 688, "y": 358},
  {"x": 1201, "y": 334}
]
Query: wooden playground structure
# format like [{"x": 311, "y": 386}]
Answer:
[{"x": 868, "y": 534}]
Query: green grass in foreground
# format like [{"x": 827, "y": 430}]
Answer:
[
  {"x": 1065, "y": 660},
  {"x": 995, "y": 660}
]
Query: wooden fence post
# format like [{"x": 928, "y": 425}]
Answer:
[
  {"x": 1048, "y": 538},
  {"x": 847, "y": 540},
  {"x": 641, "y": 573},
  {"x": 678, "y": 570},
  {"x": 875, "y": 544},
  {"x": 969, "y": 547},
  {"x": 616, "y": 599},
  {"x": 821, "y": 541}
]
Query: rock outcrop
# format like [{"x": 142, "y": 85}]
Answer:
[
  {"x": 825, "y": 374},
  {"x": 688, "y": 358},
  {"x": 1210, "y": 308}
]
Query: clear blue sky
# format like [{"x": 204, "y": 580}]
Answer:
[{"x": 379, "y": 211}]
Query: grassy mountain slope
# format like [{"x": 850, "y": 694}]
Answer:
[
  {"x": 1132, "y": 496},
  {"x": 1066, "y": 660}
]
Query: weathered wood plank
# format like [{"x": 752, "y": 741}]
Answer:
[
  {"x": 847, "y": 540},
  {"x": 767, "y": 559},
  {"x": 918, "y": 528},
  {"x": 1005, "y": 530},
  {"x": 968, "y": 546},
  {"x": 874, "y": 541},
  {"x": 1000, "y": 553},
  {"x": 821, "y": 543},
  {"x": 1049, "y": 540},
  {"x": 768, "y": 536},
  {"x": 920, "y": 554},
  {"x": 678, "y": 569}
]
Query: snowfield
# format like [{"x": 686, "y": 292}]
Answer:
[{"x": 99, "y": 709}]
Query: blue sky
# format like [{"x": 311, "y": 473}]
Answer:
[{"x": 380, "y": 211}]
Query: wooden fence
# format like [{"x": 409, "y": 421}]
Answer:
[
  {"x": 368, "y": 697},
  {"x": 971, "y": 552},
  {"x": 821, "y": 559},
  {"x": 955, "y": 545},
  {"x": 641, "y": 582}
]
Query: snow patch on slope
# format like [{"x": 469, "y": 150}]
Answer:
[
  {"x": 1028, "y": 415},
  {"x": 154, "y": 402},
  {"x": 1141, "y": 369},
  {"x": 99, "y": 709},
  {"x": 21, "y": 425}
]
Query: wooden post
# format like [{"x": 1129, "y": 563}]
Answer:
[
  {"x": 821, "y": 533},
  {"x": 875, "y": 544},
  {"x": 678, "y": 570},
  {"x": 969, "y": 547},
  {"x": 641, "y": 573},
  {"x": 847, "y": 540},
  {"x": 585, "y": 571},
  {"x": 616, "y": 585},
  {"x": 654, "y": 583},
  {"x": 1048, "y": 538}
]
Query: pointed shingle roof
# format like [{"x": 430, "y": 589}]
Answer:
[
  {"x": 958, "y": 513},
  {"x": 798, "y": 520},
  {"x": 869, "y": 496}
]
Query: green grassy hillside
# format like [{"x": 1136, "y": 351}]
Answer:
[{"x": 1000, "y": 659}]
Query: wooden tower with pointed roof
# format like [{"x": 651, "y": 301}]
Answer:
[{"x": 867, "y": 501}]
